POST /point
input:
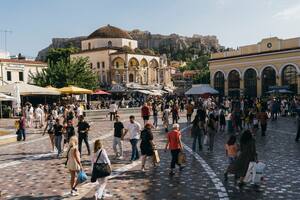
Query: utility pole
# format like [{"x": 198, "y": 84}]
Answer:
[{"x": 5, "y": 38}]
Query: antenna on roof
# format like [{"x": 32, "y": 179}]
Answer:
[{"x": 5, "y": 38}]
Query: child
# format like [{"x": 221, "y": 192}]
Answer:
[{"x": 231, "y": 149}]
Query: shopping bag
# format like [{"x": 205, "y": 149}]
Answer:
[
  {"x": 250, "y": 172},
  {"x": 255, "y": 172},
  {"x": 181, "y": 158},
  {"x": 259, "y": 172},
  {"x": 81, "y": 177},
  {"x": 156, "y": 158}
]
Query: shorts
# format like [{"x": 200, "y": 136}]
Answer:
[{"x": 146, "y": 117}]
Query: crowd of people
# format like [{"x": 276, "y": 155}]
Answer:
[{"x": 240, "y": 118}]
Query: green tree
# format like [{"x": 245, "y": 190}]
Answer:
[
  {"x": 67, "y": 72},
  {"x": 56, "y": 54}
]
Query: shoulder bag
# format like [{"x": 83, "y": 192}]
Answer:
[{"x": 100, "y": 170}]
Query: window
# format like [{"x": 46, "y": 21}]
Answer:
[
  {"x": 219, "y": 82},
  {"x": 89, "y": 46},
  {"x": 268, "y": 79},
  {"x": 91, "y": 65},
  {"x": 289, "y": 78},
  {"x": 234, "y": 84},
  {"x": 98, "y": 65},
  {"x": 21, "y": 76},
  {"x": 117, "y": 64},
  {"x": 8, "y": 75},
  {"x": 103, "y": 65},
  {"x": 109, "y": 44},
  {"x": 250, "y": 83},
  {"x": 129, "y": 44}
]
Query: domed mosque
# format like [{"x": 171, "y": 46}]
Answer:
[{"x": 114, "y": 55}]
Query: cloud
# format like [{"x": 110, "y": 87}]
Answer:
[{"x": 290, "y": 13}]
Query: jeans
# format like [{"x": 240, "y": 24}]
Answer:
[
  {"x": 57, "y": 142},
  {"x": 135, "y": 152},
  {"x": 175, "y": 119},
  {"x": 155, "y": 119},
  {"x": 263, "y": 129},
  {"x": 198, "y": 136},
  {"x": 211, "y": 139},
  {"x": 189, "y": 118},
  {"x": 112, "y": 116},
  {"x": 83, "y": 136},
  {"x": 174, "y": 154},
  {"x": 23, "y": 133},
  {"x": 118, "y": 142}
]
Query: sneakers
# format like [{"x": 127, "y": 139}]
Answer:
[
  {"x": 172, "y": 173},
  {"x": 74, "y": 192}
]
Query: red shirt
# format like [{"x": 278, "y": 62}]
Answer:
[
  {"x": 145, "y": 111},
  {"x": 173, "y": 138}
]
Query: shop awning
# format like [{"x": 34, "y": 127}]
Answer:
[{"x": 74, "y": 90}]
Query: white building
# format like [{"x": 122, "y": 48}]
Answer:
[
  {"x": 18, "y": 70},
  {"x": 113, "y": 55}
]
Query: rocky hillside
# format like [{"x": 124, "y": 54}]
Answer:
[{"x": 174, "y": 46}]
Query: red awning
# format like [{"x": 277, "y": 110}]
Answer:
[{"x": 100, "y": 92}]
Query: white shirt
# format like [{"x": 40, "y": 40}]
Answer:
[
  {"x": 39, "y": 111},
  {"x": 79, "y": 111},
  {"x": 103, "y": 158},
  {"x": 134, "y": 130},
  {"x": 113, "y": 108}
]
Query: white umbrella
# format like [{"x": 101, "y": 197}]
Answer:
[
  {"x": 201, "y": 89},
  {"x": 27, "y": 89}
]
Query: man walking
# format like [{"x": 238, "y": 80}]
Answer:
[
  {"x": 189, "y": 112},
  {"x": 145, "y": 111},
  {"x": 134, "y": 129},
  {"x": 118, "y": 137},
  {"x": 113, "y": 109},
  {"x": 83, "y": 128},
  {"x": 175, "y": 145}
]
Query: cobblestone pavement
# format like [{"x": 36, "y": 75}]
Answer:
[{"x": 30, "y": 171}]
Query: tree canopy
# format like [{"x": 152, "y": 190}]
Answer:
[{"x": 63, "y": 71}]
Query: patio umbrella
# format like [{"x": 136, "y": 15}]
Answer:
[
  {"x": 100, "y": 92},
  {"x": 201, "y": 89},
  {"x": 25, "y": 89},
  {"x": 280, "y": 91},
  {"x": 74, "y": 90}
]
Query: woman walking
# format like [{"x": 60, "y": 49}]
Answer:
[
  {"x": 73, "y": 163},
  {"x": 211, "y": 131},
  {"x": 100, "y": 156},
  {"x": 147, "y": 145},
  {"x": 196, "y": 133},
  {"x": 50, "y": 130},
  {"x": 248, "y": 154}
]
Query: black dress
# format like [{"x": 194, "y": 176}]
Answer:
[{"x": 146, "y": 145}]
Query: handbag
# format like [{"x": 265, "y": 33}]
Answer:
[
  {"x": 81, "y": 177},
  {"x": 181, "y": 158},
  {"x": 100, "y": 170},
  {"x": 156, "y": 158}
]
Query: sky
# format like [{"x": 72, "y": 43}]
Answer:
[{"x": 33, "y": 23}]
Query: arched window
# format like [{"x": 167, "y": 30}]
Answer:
[
  {"x": 250, "y": 83},
  {"x": 117, "y": 64},
  {"x": 268, "y": 79},
  {"x": 118, "y": 77},
  {"x": 219, "y": 83},
  {"x": 289, "y": 78},
  {"x": 130, "y": 78},
  {"x": 234, "y": 84},
  {"x": 109, "y": 44},
  {"x": 89, "y": 46}
]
